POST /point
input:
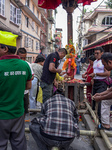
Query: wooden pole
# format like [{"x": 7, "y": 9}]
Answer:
[{"x": 70, "y": 29}]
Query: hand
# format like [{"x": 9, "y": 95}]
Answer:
[
  {"x": 56, "y": 84},
  {"x": 97, "y": 94},
  {"x": 92, "y": 75},
  {"x": 92, "y": 82},
  {"x": 62, "y": 73},
  {"x": 97, "y": 98},
  {"x": 59, "y": 71},
  {"x": 66, "y": 76},
  {"x": 84, "y": 76}
]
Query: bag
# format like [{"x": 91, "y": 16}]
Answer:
[{"x": 40, "y": 95}]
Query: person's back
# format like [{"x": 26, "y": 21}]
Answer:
[
  {"x": 48, "y": 76},
  {"x": 58, "y": 125},
  {"x": 14, "y": 75},
  {"x": 61, "y": 115}
]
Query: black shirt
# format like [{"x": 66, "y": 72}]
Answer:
[
  {"x": 83, "y": 60},
  {"x": 48, "y": 76}
]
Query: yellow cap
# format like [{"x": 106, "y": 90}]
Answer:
[{"x": 7, "y": 38}]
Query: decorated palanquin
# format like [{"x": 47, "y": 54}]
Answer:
[{"x": 69, "y": 64}]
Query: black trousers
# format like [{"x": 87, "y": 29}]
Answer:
[{"x": 98, "y": 87}]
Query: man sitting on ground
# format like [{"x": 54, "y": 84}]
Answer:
[{"x": 58, "y": 125}]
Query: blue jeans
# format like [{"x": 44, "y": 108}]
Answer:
[
  {"x": 47, "y": 90},
  {"x": 44, "y": 143},
  {"x": 78, "y": 70}
]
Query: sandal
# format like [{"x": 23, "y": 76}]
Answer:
[{"x": 101, "y": 127}]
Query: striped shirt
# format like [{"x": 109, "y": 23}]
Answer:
[{"x": 60, "y": 117}]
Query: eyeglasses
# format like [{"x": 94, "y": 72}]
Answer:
[{"x": 96, "y": 53}]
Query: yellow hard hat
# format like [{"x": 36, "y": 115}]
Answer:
[{"x": 7, "y": 38}]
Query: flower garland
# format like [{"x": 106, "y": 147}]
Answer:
[{"x": 70, "y": 58}]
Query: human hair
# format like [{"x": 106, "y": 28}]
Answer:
[
  {"x": 92, "y": 58},
  {"x": 107, "y": 56},
  {"x": 21, "y": 50},
  {"x": 99, "y": 48},
  {"x": 11, "y": 49},
  {"x": 62, "y": 50},
  {"x": 59, "y": 91},
  {"x": 39, "y": 58}
]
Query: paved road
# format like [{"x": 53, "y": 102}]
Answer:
[{"x": 83, "y": 143}]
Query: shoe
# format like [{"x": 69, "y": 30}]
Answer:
[{"x": 100, "y": 126}]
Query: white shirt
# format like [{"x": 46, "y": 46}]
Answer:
[
  {"x": 98, "y": 68},
  {"x": 26, "y": 91}
]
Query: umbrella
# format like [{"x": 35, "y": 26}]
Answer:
[
  {"x": 52, "y": 4},
  {"x": 49, "y": 4}
]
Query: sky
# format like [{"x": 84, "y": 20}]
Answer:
[{"x": 61, "y": 20}]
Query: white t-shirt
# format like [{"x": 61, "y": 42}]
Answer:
[
  {"x": 26, "y": 91},
  {"x": 98, "y": 68}
]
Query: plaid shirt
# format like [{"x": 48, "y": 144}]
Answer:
[{"x": 60, "y": 117}]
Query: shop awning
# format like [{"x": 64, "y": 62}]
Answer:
[{"x": 105, "y": 40}]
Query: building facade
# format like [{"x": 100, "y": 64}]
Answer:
[
  {"x": 10, "y": 20},
  {"x": 96, "y": 28},
  {"x": 34, "y": 26},
  {"x": 30, "y": 27}
]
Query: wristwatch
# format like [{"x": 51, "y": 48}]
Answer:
[{"x": 95, "y": 74}]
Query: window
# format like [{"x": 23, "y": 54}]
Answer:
[
  {"x": 37, "y": 14},
  {"x": 33, "y": 8},
  {"x": 37, "y": 45},
  {"x": 37, "y": 29},
  {"x": 28, "y": 2},
  {"x": 15, "y": 14},
  {"x": 32, "y": 44},
  {"x": 26, "y": 21},
  {"x": 33, "y": 25},
  {"x": 26, "y": 42},
  {"x": 2, "y": 7},
  {"x": 107, "y": 20}
]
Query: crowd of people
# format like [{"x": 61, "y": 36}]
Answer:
[
  {"x": 57, "y": 124},
  {"x": 100, "y": 85}
]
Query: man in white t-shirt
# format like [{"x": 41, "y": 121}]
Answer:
[
  {"x": 99, "y": 76},
  {"x": 22, "y": 54}
]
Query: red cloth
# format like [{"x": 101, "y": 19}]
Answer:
[
  {"x": 52, "y": 4},
  {"x": 88, "y": 79},
  {"x": 89, "y": 71}
]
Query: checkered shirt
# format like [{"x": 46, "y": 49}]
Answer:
[{"x": 60, "y": 117}]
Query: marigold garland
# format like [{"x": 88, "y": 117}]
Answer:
[{"x": 70, "y": 56}]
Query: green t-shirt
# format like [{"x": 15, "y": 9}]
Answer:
[{"x": 14, "y": 73}]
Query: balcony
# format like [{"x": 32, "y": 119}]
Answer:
[
  {"x": 28, "y": 11},
  {"x": 32, "y": 15}
]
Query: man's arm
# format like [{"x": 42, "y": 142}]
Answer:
[
  {"x": 107, "y": 95},
  {"x": 53, "y": 69},
  {"x": 103, "y": 93},
  {"x": 28, "y": 85},
  {"x": 104, "y": 74}
]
